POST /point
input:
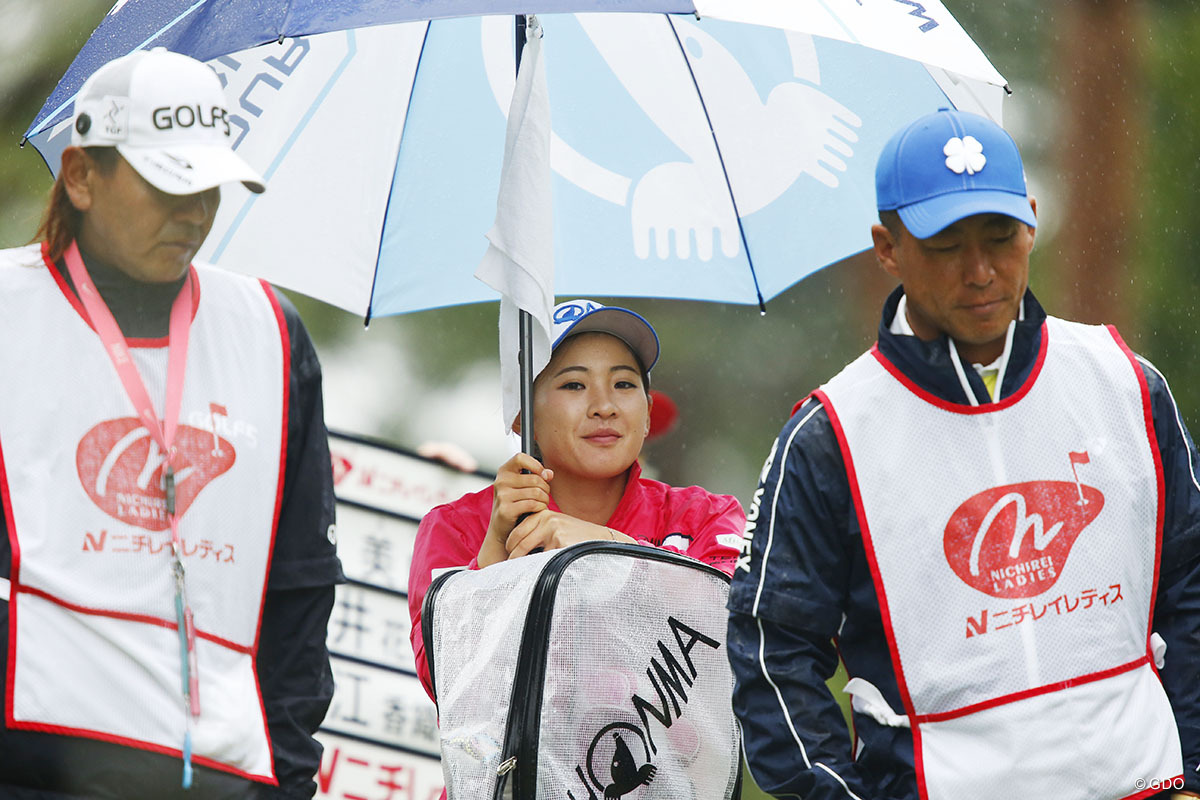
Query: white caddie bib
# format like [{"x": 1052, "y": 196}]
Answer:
[
  {"x": 93, "y": 646},
  {"x": 1014, "y": 549}
]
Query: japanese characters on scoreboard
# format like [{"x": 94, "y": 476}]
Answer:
[{"x": 380, "y": 734}]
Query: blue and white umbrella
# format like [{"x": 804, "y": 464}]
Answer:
[{"x": 717, "y": 150}]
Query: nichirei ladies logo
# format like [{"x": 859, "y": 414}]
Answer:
[
  {"x": 1014, "y": 540},
  {"x": 121, "y": 469}
]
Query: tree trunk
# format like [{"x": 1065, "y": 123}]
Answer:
[{"x": 1100, "y": 147}]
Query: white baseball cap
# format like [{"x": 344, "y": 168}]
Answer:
[{"x": 166, "y": 115}]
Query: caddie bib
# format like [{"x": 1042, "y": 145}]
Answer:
[
  {"x": 93, "y": 646},
  {"x": 1014, "y": 549}
]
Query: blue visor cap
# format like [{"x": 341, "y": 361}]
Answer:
[
  {"x": 949, "y": 165},
  {"x": 583, "y": 316}
]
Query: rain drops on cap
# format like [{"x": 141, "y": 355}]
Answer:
[
  {"x": 949, "y": 165},
  {"x": 166, "y": 115},
  {"x": 584, "y": 316}
]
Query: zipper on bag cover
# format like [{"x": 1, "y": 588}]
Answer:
[{"x": 522, "y": 731}]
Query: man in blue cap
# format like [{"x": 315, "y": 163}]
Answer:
[{"x": 993, "y": 515}]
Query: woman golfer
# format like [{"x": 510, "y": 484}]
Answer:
[{"x": 591, "y": 411}]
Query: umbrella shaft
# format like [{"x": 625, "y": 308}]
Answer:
[
  {"x": 526, "y": 357},
  {"x": 520, "y": 38},
  {"x": 526, "y": 330}
]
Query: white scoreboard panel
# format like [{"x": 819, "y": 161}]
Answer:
[{"x": 380, "y": 734}]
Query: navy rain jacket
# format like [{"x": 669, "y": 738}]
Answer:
[{"x": 817, "y": 600}]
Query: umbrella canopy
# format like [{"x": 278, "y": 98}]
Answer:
[{"x": 719, "y": 158}]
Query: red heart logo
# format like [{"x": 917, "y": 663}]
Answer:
[
  {"x": 1013, "y": 541},
  {"x": 121, "y": 468}
]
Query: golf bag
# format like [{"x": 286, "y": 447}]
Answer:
[{"x": 595, "y": 672}]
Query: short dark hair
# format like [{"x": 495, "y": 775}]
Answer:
[
  {"x": 891, "y": 220},
  {"x": 60, "y": 221}
]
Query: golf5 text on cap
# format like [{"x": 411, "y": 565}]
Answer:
[
  {"x": 949, "y": 165},
  {"x": 166, "y": 115}
]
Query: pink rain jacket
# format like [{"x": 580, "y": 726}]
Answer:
[{"x": 689, "y": 520}]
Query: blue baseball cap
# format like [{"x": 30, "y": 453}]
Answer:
[
  {"x": 584, "y": 316},
  {"x": 949, "y": 165}
]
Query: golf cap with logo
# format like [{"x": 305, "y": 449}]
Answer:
[
  {"x": 947, "y": 166},
  {"x": 585, "y": 316},
  {"x": 166, "y": 115}
]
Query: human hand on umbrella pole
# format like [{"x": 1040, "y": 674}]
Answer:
[
  {"x": 551, "y": 530},
  {"x": 522, "y": 486}
]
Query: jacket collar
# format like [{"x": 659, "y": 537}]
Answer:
[
  {"x": 929, "y": 365},
  {"x": 628, "y": 497}
]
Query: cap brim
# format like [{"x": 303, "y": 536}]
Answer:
[
  {"x": 190, "y": 169},
  {"x": 629, "y": 327},
  {"x": 926, "y": 218}
]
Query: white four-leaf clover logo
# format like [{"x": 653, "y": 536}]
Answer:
[{"x": 964, "y": 154}]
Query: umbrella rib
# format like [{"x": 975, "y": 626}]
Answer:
[
  {"x": 379, "y": 252},
  {"x": 286, "y": 21},
  {"x": 762, "y": 306},
  {"x": 51, "y": 117}
]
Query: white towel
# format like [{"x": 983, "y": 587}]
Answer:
[
  {"x": 519, "y": 262},
  {"x": 866, "y": 698}
]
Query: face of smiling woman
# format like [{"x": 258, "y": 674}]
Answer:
[{"x": 590, "y": 409}]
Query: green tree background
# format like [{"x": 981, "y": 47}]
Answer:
[{"x": 1127, "y": 253}]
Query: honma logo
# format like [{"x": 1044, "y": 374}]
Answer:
[
  {"x": 625, "y": 772},
  {"x": 1014, "y": 540},
  {"x": 619, "y": 757},
  {"x": 121, "y": 468}
]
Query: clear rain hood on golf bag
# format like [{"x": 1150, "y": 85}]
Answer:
[{"x": 595, "y": 672}]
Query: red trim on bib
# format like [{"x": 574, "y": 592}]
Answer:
[
  {"x": 1004, "y": 700},
  {"x": 959, "y": 408},
  {"x": 13, "y": 574},
  {"x": 61, "y": 282},
  {"x": 145, "y": 619},
  {"x": 1158, "y": 475},
  {"x": 797, "y": 406},
  {"x": 125, "y": 741},
  {"x": 285, "y": 342},
  {"x": 877, "y": 578},
  {"x": 868, "y": 546},
  {"x": 73, "y": 299}
]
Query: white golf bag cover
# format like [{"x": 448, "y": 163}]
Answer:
[{"x": 595, "y": 672}]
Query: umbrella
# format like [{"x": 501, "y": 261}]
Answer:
[
  {"x": 713, "y": 158},
  {"x": 711, "y": 150}
]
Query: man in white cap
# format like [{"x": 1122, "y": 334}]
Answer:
[
  {"x": 993, "y": 515},
  {"x": 167, "y": 572}
]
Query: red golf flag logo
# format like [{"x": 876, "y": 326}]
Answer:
[
  {"x": 121, "y": 468},
  {"x": 1013, "y": 541}
]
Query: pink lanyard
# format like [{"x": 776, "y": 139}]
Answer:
[{"x": 117, "y": 348}]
